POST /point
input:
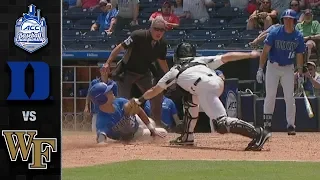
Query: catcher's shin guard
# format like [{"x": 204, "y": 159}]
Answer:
[
  {"x": 234, "y": 125},
  {"x": 190, "y": 122}
]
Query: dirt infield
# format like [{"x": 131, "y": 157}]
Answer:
[{"x": 80, "y": 149}]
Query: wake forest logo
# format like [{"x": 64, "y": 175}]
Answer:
[
  {"x": 24, "y": 142},
  {"x": 31, "y": 31}
]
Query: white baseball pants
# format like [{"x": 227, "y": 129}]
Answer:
[{"x": 284, "y": 74}]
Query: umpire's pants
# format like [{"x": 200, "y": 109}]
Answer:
[{"x": 143, "y": 82}]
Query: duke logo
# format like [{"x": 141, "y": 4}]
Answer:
[
  {"x": 31, "y": 31},
  {"x": 231, "y": 104},
  {"x": 23, "y": 141}
]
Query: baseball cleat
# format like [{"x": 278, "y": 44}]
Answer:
[
  {"x": 102, "y": 137},
  {"x": 291, "y": 130},
  {"x": 257, "y": 143},
  {"x": 181, "y": 141}
]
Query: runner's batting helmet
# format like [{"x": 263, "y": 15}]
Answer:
[
  {"x": 184, "y": 50},
  {"x": 290, "y": 14},
  {"x": 97, "y": 93}
]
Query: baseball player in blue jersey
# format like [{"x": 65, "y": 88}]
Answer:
[
  {"x": 283, "y": 44},
  {"x": 104, "y": 77},
  {"x": 114, "y": 122}
]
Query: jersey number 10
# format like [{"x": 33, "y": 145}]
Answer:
[{"x": 291, "y": 55}]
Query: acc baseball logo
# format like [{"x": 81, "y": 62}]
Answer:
[
  {"x": 231, "y": 104},
  {"x": 31, "y": 31},
  {"x": 23, "y": 141}
]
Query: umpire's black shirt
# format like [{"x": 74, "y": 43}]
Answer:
[{"x": 143, "y": 54}]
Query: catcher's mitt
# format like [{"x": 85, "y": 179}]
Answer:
[{"x": 131, "y": 107}]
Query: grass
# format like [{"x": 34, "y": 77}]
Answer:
[{"x": 196, "y": 170}]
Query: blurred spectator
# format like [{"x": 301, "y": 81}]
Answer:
[
  {"x": 263, "y": 18},
  {"x": 197, "y": 9},
  {"x": 88, "y": 4},
  {"x": 171, "y": 19},
  {"x": 312, "y": 80},
  {"x": 178, "y": 9},
  {"x": 310, "y": 29},
  {"x": 252, "y": 6},
  {"x": 295, "y": 5},
  {"x": 312, "y": 4},
  {"x": 70, "y": 3},
  {"x": 169, "y": 116},
  {"x": 127, "y": 15},
  {"x": 107, "y": 19}
]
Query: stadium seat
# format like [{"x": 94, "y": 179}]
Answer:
[
  {"x": 77, "y": 13},
  {"x": 214, "y": 24},
  {"x": 211, "y": 12},
  {"x": 219, "y": 3},
  {"x": 83, "y": 24},
  {"x": 237, "y": 46},
  {"x": 71, "y": 33},
  {"x": 78, "y": 46},
  {"x": 198, "y": 41},
  {"x": 144, "y": 21},
  {"x": 245, "y": 39},
  {"x": 188, "y": 24},
  {"x": 200, "y": 33},
  {"x": 174, "y": 42},
  {"x": 228, "y": 12},
  {"x": 222, "y": 40},
  {"x": 150, "y": 10},
  {"x": 93, "y": 36},
  {"x": 253, "y": 32},
  {"x": 67, "y": 24},
  {"x": 237, "y": 23},
  {"x": 226, "y": 33},
  {"x": 101, "y": 46},
  {"x": 211, "y": 46},
  {"x": 144, "y": 15},
  {"x": 175, "y": 33}
]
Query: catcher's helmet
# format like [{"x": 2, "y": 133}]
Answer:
[
  {"x": 184, "y": 50},
  {"x": 290, "y": 14},
  {"x": 97, "y": 93}
]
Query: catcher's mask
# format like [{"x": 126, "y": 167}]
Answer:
[
  {"x": 97, "y": 93},
  {"x": 184, "y": 50}
]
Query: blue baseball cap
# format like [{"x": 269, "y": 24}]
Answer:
[{"x": 97, "y": 93}]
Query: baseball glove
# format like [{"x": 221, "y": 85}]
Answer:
[{"x": 131, "y": 107}]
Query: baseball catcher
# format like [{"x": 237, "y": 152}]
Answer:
[
  {"x": 120, "y": 119},
  {"x": 194, "y": 75}
]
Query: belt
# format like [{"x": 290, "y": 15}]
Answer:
[
  {"x": 279, "y": 63},
  {"x": 199, "y": 79}
]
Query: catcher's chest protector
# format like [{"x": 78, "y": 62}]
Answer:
[{"x": 185, "y": 65}]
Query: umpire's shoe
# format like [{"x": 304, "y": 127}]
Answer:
[
  {"x": 291, "y": 131},
  {"x": 257, "y": 143},
  {"x": 186, "y": 139}
]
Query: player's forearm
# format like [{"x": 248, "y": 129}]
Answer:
[
  {"x": 114, "y": 53},
  {"x": 315, "y": 83},
  {"x": 143, "y": 116},
  {"x": 149, "y": 94},
  {"x": 234, "y": 56},
  {"x": 163, "y": 65},
  {"x": 87, "y": 102}
]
